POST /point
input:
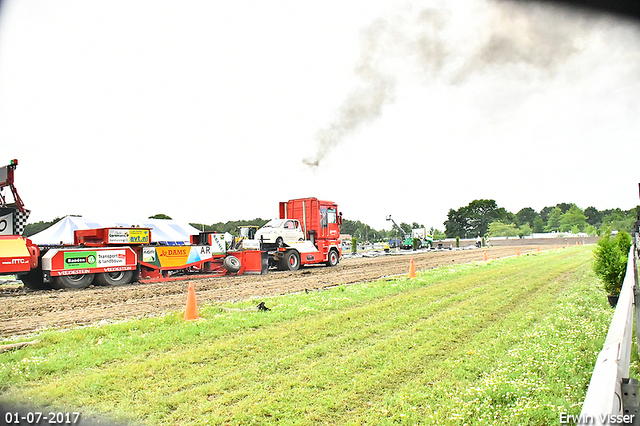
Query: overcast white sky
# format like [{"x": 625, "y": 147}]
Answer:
[{"x": 206, "y": 111}]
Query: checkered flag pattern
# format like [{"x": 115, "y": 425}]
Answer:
[{"x": 20, "y": 221}]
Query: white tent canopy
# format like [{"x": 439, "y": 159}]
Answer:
[{"x": 162, "y": 230}]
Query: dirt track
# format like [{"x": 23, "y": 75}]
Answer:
[{"x": 23, "y": 312}]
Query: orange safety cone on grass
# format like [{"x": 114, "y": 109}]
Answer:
[
  {"x": 485, "y": 256},
  {"x": 412, "y": 269},
  {"x": 518, "y": 252},
  {"x": 191, "y": 310}
]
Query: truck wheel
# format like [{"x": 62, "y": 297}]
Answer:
[
  {"x": 290, "y": 261},
  {"x": 231, "y": 264},
  {"x": 279, "y": 242},
  {"x": 73, "y": 281},
  {"x": 114, "y": 278},
  {"x": 33, "y": 280},
  {"x": 334, "y": 258}
]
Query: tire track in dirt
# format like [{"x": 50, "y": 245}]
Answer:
[{"x": 24, "y": 311}]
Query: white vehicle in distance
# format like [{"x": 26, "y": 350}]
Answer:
[{"x": 279, "y": 231}]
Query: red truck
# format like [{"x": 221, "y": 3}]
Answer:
[
  {"x": 319, "y": 240},
  {"x": 116, "y": 256}
]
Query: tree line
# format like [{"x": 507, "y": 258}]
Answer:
[
  {"x": 484, "y": 217},
  {"x": 479, "y": 218}
]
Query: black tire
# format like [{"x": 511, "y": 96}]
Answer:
[
  {"x": 114, "y": 278},
  {"x": 279, "y": 242},
  {"x": 33, "y": 280},
  {"x": 73, "y": 281},
  {"x": 231, "y": 264},
  {"x": 333, "y": 258},
  {"x": 290, "y": 261}
]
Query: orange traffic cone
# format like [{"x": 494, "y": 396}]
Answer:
[
  {"x": 412, "y": 269},
  {"x": 538, "y": 248},
  {"x": 191, "y": 310},
  {"x": 518, "y": 252},
  {"x": 485, "y": 256}
]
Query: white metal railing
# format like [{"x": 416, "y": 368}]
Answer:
[{"x": 603, "y": 402}]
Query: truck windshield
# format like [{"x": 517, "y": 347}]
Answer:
[{"x": 275, "y": 223}]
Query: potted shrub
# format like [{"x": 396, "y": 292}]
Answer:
[{"x": 610, "y": 263}]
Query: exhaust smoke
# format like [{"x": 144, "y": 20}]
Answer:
[{"x": 522, "y": 39}]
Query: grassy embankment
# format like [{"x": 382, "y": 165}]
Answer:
[{"x": 511, "y": 341}]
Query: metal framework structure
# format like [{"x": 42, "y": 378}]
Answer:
[{"x": 6, "y": 179}]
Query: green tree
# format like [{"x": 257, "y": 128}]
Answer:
[
  {"x": 538, "y": 225},
  {"x": 594, "y": 217},
  {"x": 619, "y": 220},
  {"x": 564, "y": 207},
  {"x": 438, "y": 234},
  {"x": 591, "y": 230},
  {"x": 623, "y": 239},
  {"x": 499, "y": 229},
  {"x": 525, "y": 230},
  {"x": 574, "y": 217},
  {"x": 474, "y": 219},
  {"x": 456, "y": 224},
  {"x": 610, "y": 261},
  {"x": 553, "y": 220},
  {"x": 160, "y": 216},
  {"x": 544, "y": 213},
  {"x": 405, "y": 227},
  {"x": 482, "y": 213},
  {"x": 230, "y": 226},
  {"x": 526, "y": 215}
]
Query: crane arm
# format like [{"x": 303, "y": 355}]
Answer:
[{"x": 404, "y": 234}]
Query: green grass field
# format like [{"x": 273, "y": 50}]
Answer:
[{"x": 511, "y": 342}]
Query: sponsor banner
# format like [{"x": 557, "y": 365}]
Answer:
[
  {"x": 111, "y": 258},
  {"x": 218, "y": 244},
  {"x": 171, "y": 257},
  {"x": 74, "y": 272},
  {"x": 140, "y": 236},
  {"x": 149, "y": 254},
  {"x": 118, "y": 236},
  {"x": 91, "y": 271},
  {"x": 14, "y": 264},
  {"x": 80, "y": 259},
  {"x": 93, "y": 259},
  {"x": 119, "y": 268},
  {"x": 177, "y": 256},
  {"x": 200, "y": 253},
  {"x": 128, "y": 236}
]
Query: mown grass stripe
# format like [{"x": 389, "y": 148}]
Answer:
[{"x": 378, "y": 353}]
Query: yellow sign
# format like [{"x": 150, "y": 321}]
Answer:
[
  {"x": 171, "y": 257},
  {"x": 140, "y": 236}
]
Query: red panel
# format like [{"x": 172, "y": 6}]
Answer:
[{"x": 252, "y": 261}]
